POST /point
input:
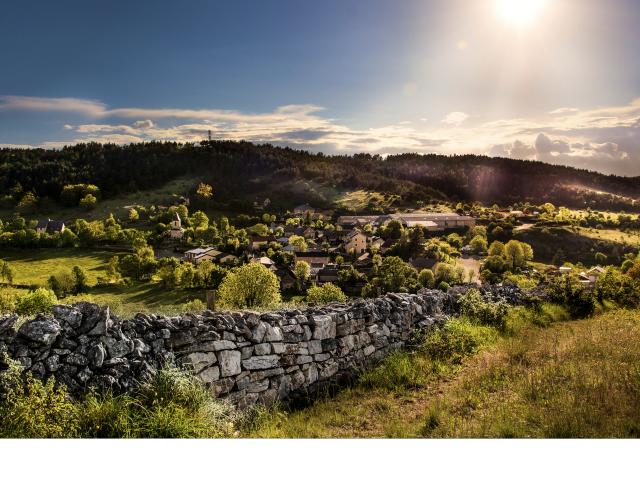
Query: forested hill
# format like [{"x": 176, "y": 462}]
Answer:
[{"x": 241, "y": 172}]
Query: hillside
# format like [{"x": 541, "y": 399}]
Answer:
[{"x": 241, "y": 172}]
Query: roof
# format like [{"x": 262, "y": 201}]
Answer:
[
  {"x": 263, "y": 238},
  {"x": 311, "y": 254},
  {"x": 200, "y": 250},
  {"x": 263, "y": 261},
  {"x": 51, "y": 225}
]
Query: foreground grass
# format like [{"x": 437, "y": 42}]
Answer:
[{"x": 569, "y": 379}]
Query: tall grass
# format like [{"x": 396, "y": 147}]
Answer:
[{"x": 173, "y": 404}]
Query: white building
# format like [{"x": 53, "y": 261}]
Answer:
[{"x": 176, "y": 231}]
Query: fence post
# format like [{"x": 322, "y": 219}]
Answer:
[{"x": 211, "y": 300}]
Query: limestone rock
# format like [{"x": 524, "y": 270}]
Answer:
[
  {"x": 261, "y": 362},
  {"x": 42, "y": 330},
  {"x": 229, "y": 361}
]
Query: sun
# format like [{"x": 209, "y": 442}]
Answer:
[{"x": 519, "y": 13}]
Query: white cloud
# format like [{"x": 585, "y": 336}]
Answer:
[{"x": 455, "y": 118}]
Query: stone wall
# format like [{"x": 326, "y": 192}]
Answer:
[{"x": 246, "y": 357}]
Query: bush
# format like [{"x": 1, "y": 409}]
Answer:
[
  {"x": 32, "y": 409},
  {"x": 40, "y": 300},
  {"x": 475, "y": 307},
  {"x": 326, "y": 293},
  {"x": 195, "y": 305},
  {"x": 457, "y": 339}
]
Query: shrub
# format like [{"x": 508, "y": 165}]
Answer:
[
  {"x": 32, "y": 409},
  {"x": 457, "y": 339},
  {"x": 326, "y": 293},
  {"x": 40, "y": 300},
  {"x": 489, "y": 313},
  {"x": 195, "y": 305}
]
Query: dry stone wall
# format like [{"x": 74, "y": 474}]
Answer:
[{"x": 246, "y": 357}]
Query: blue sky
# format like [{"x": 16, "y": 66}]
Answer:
[{"x": 559, "y": 82}]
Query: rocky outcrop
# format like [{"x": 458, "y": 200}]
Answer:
[{"x": 247, "y": 357}]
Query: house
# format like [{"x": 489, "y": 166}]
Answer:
[
  {"x": 356, "y": 242},
  {"x": 197, "y": 255},
  {"x": 590, "y": 277},
  {"x": 264, "y": 261},
  {"x": 315, "y": 259},
  {"x": 376, "y": 242},
  {"x": 176, "y": 231},
  {"x": 287, "y": 278},
  {"x": 259, "y": 241},
  {"x": 328, "y": 273},
  {"x": 50, "y": 226}
]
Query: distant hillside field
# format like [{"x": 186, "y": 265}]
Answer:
[{"x": 241, "y": 173}]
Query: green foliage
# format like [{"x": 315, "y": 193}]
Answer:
[
  {"x": 32, "y": 409},
  {"x": 448, "y": 273},
  {"x": 456, "y": 340},
  {"x": 8, "y": 301},
  {"x": 80, "y": 283},
  {"x": 6, "y": 272},
  {"x": 61, "y": 283},
  {"x": 249, "y": 286},
  {"x": 478, "y": 245},
  {"x": 395, "y": 275},
  {"x": 40, "y": 300},
  {"x": 473, "y": 306},
  {"x": 327, "y": 293},
  {"x": 426, "y": 278},
  {"x": 398, "y": 372},
  {"x": 88, "y": 202},
  {"x": 569, "y": 291},
  {"x": 194, "y": 306},
  {"x": 302, "y": 271}
]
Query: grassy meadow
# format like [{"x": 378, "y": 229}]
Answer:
[{"x": 34, "y": 267}]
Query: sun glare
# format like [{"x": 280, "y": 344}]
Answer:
[{"x": 519, "y": 13}]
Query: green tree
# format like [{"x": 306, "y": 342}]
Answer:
[
  {"x": 327, "y": 293},
  {"x": 478, "y": 244},
  {"x": 302, "y": 271},
  {"x": 133, "y": 215},
  {"x": 249, "y": 286},
  {"x": 61, "y": 283},
  {"x": 298, "y": 242},
  {"x": 496, "y": 249},
  {"x": 6, "y": 272},
  {"x": 80, "y": 282}
]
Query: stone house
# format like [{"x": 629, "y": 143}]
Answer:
[
  {"x": 49, "y": 226},
  {"x": 356, "y": 242},
  {"x": 176, "y": 232},
  {"x": 197, "y": 255}
]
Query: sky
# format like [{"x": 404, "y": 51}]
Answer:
[{"x": 550, "y": 80}]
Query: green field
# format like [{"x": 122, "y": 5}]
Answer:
[
  {"x": 33, "y": 267},
  {"x": 572, "y": 379}
]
